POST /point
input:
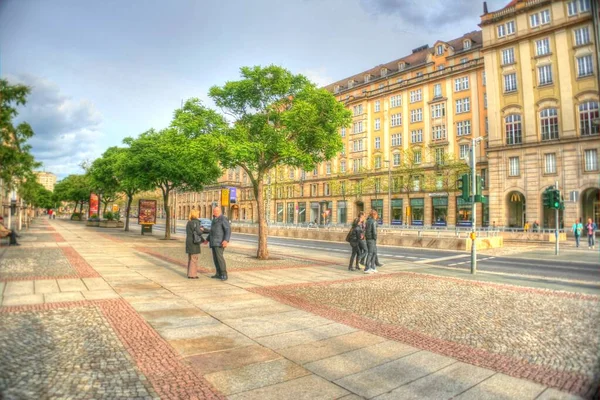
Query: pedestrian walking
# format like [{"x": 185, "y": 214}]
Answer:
[
  {"x": 371, "y": 236},
  {"x": 356, "y": 236},
  {"x": 591, "y": 228},
  {"x": 193, "y": 239},
  {"x": 526, "y": 226},
  {"x": 362, "y": 243},
  {"x": 12, "y": 235},
  {"x": 577, "y": 229},
  {"x": 218, "y": 239}
]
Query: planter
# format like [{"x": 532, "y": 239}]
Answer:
[
  {"x": 108, "y": 224},
  {"x": 92, "y": 223},
  {"x": 120, "y": 224}
]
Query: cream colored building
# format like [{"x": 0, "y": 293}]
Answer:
[
  {"x": 46, "y": 179},
  {"x": 542, "y": 93}
]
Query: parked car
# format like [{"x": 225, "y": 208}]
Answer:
[{"x": 205, "y": 223}]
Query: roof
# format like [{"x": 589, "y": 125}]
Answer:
[{"x": 412, "y": 60}]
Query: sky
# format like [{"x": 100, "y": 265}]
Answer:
[{"x": 100, "y": 71}]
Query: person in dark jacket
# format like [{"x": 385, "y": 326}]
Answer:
[
  {"x": 355, "y": 238},
  {"x": 192, "y": 249},
  {"x": 371, "y": 236},
  {"x": 218, "y": 239}
]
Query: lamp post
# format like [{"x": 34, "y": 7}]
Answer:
[
  {"x": 389, "y": 163},
  {"x": 474, "y": 204}
]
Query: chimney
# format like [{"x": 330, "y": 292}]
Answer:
[{"x": 485, "y": 9}]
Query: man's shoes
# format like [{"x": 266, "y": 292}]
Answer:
[
  {"x": 223, "y": 277},
  {"x": 379, "y": 265},
  {"x": 368, "y": 271},
  {"x": 374, "y": 270},
  {"x": 350, "y": 269},
  {"x": 216, "y": 276}
]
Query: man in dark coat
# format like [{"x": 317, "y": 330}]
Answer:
[
  {"x": 218, "y": 239},
  {"x": 371, "y": 236}
]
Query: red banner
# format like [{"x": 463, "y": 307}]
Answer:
[{"x": 94, "y": 205}]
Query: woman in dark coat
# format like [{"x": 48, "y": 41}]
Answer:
[
  {"x": 355, "y": 239},
  {"x": 192, "y": 249}
]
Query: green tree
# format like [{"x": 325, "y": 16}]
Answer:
[
  {"x": 35, "y": 194},
  {"x": 172, "y": 159},
  {"x": 279, "y": 119},
  {"x": 103, "y": 180},
  {"x": 74, "y": 188}
]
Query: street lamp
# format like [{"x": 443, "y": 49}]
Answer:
[
  {"x": 473, "y": 203},
  {"x": 388, "y": 162}
]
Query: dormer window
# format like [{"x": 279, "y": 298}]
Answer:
[
  {"x": 367, "y": 78},
  {"x": 467, "y": 44},
  {"x": 350, "y": 84},
  {"x": 401, "y": 66},
  {"x": 384, "y": 71},
  {"x": 440, "y": 49},
  {"x": 336, "y": 89}
]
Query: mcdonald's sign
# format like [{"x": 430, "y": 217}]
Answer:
[{"x": 515, "y": 198}]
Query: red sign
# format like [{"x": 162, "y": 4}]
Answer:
[
  {"x": 147, "y": 212},
  {"x": 94, "y": 205}
]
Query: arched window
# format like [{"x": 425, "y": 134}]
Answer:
[
  {"x": 588, "y": 112},
  {"x": 512, "y": 125},
  {"x": 549, "y": 123}
]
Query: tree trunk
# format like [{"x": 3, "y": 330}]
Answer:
[
  {"x": 263, "y": 252},
  {"x": 104, "y": 209},
  {"x": 127, "y": 210},
  {"x": 167, "y": 214}
]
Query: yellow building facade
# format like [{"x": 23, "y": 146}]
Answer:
[
  {"x": 46, "y": 179},
  {"x": 542, "y": 93}
]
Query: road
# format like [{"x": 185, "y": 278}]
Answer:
[{"x": 568, "y": 270}]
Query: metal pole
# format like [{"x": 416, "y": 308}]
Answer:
[
  {"x": 390, "y": 191},
  {"x": 473, "y": 209},
  {"x": 556, "y": 233}
]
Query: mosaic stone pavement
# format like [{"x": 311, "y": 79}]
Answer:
[
  {"x": 551, "y": 336},
  {"x": 21, "y": 263}
]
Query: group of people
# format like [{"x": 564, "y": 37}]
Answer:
[
  {"x": 218, "y": 239},
  {"x": 590, "y": 230},
  {"x": 363, "y": 239}
]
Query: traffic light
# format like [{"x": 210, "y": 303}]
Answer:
[
  {"x": 547, "y": 197},
  {"x": 464, "y": 185},
  {"x": 479, "y": 187}
]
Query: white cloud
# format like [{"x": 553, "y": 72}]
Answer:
[
  {"x": 67, "y": 131},
  {"x": 318, "y": 76}
]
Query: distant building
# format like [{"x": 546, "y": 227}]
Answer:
[{"x": 46, "y": 179}]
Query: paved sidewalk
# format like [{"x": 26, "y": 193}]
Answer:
[{"x": 103, "y": 314}]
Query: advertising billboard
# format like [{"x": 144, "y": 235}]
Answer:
[
  {"x": 147, "y": 212},
  {"x": 94, "y": 205}
]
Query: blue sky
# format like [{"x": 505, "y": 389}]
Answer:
[{"x": 103, "y": 70}]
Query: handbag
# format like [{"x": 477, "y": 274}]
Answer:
[
  {"x": 196, "y": 237},
  {"x": 349, "y": 235}
]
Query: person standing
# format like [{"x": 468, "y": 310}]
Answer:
[
  {"x": 371, "y": 236},
  {"x": 356, "y": 237},
  {"x": 218, "y": 239},
  {"x": 193, "y": 249},
  {"x": 577, "y": 229},
  {"x": 591, "y": 228}
]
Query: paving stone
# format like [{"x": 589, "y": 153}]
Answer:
[
  {"x": 204, "y": 339},
  {"x": 290, "y": 339},
  {"x": 71, "y": 285},
  {"x": 443, "y": 384},
  {"x": 349, "y": 363},
  {"x": 251, "y": 312},
  {"x": 2, "y": 285},
  {"x": 386, "y": 377},
  {"x": 64, "y": 296},
  {"x": 19, "y": 288},
  {"x": 46, "y": 286},
  {"x": 318, "y": 350},
  {"x": 553, "y": 394},
  {"x": 276, "y": 323},
  {"x": 309, "y": 387},
  {"x": 21, "y": 300},
  {"x": 161, "y": 305},
  {"x": 46, "y": 262},
  {"x": 96, "y": 284},
  {"x": 255, "y": 376},
  {"x": 231, "y": 359},
  {"x": 501, "y": 386},
  {"x": 100, "y": 295}
]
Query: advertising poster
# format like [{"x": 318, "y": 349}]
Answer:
[
  {"x": 147, "y": 212},
  {"x": 232, "y": 195},
  {"x": 224, "y": 197},
  {"x": 94, "y": 203}
]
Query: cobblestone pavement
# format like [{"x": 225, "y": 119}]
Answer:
[
  {"x": 549, "y": 337},
  {"x": 89, "y": 350}
]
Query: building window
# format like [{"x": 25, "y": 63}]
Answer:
[
  {"x": 584, "y": 66},
  {"x": 545, "y": 75},
  {"x": 395, "y": 101},
  {"x": 508, "y": 56},
  {"x": 438, "y": 110},
  {"x": 582, "y": 36},
  {"x": 419, "y": 74},
  {"x": 550, "y": 163},
  {"x": 540, "y": 18},
  {"x": 591, "y": 160},
  {"x": 416, "y": 115},
  {"x": 313, "y": 189},
  {"x": 359, "y": 127},
  {"x": 358, "y": 145},
  {"x": 542, "y": 47},
  {"x": 439, "y": 155},
  {"x": 383, "y": 71},
  {"x": 343, "y": 132},
  {"x": 578, "y": 6},
  {"x": 463, "y": 151},
  {"x": 588, "y": 112},
  {"x": 315, "y": 171},
  {"x": 437, "y": 90},
  {"x": 396, "y": 159},
  {"x": 467, "y": 44},
  {"x": 415, "y": 95},
  {"x": 377, "y": 142},
  {"x": 483, "y": 78},
  {"x": 485, "y": 100},
  {"x": 513, "y": 129},
  {"x": 461, "y": 84},
  {"x": 343, "y": 166},
  {"x": 513, "y": 163},
  {"x": 417, "y": 136},
  {"x": 417, "y": 156},
  {"x": 377, "y": 162},
  {"x": 292, "y": 174},
  {"x": 549, "y": 123},
  {"x": 328, "y": 168},
  {"x": 441, "y": 67},
  {"x": 396, "y": 119},
  {"x": 367, "y": 78},
  {"x": 487, "y": 125},
  {"x": 463, "y": 128},
  {"x": 510, "y": 83},
  {"x": 344, "y": 150},
  {"x": 396, "y": 139},
  {"x": 377, "y": 124},
  {"x": 464, "y": 60},
  {"x": 378, "y": 106},
  {"x": 501, "y": 31},
  {"x": 358, "y": 110},
  {"x": 350, "y": 84},
  {"x": 440, "y": 50},
  {"x": 438, "y": 132},
  {"x": 326, "y": 191},
  {"x": 463, "y": 105},
  {"x": 510, "y": 27}
]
